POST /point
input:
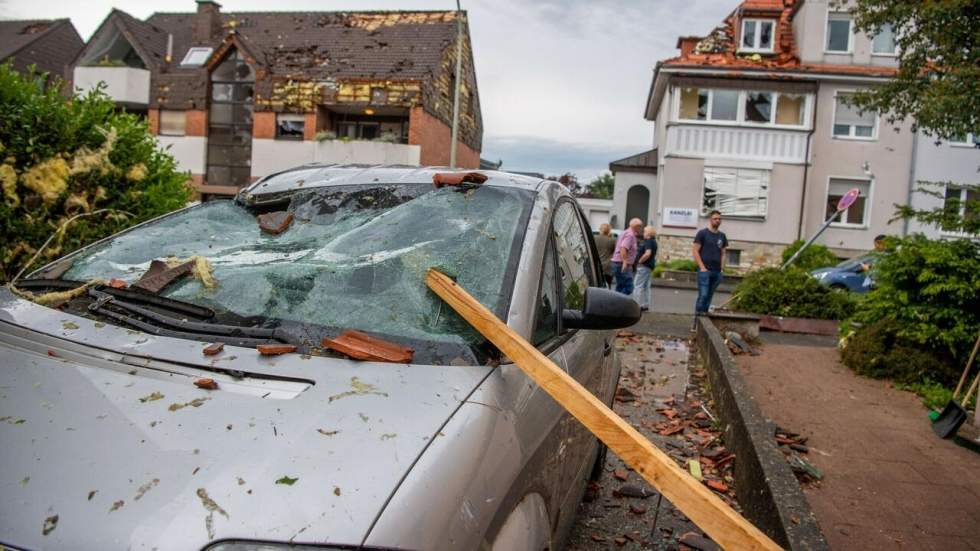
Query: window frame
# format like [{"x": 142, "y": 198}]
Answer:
[
  {"x": 866, "y": 216},
  {"x": 850, "y": 33},
  {"x": 963, "y": 190},
  {"x": 160, "y": 131},
  {"x": 755, "y": 48},
  {"x": 291, "y": 116},
  {"x": 894, "y": 52},
  {"x": 851, "y": 135},
  {"x": 703, "y": 211},
  {"x": 206, "y": 50},
  {"x": 740, "y": 120},
  {"x": 972, "y": 141}
]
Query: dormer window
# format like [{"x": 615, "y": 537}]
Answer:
[
  {"x": 196, "y": 57},
  {"x": 757, "y": 35}
]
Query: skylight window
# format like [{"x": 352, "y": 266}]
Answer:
[
  {"x": 196, "y": 57},
  {"x": 757, "y": 35}
]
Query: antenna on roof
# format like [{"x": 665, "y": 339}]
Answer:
[{"x": 170, "y": 47}]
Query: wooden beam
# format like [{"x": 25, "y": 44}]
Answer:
[{"x": 725, "y": 526}]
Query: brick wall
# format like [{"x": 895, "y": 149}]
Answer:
[
  {"x": 434, "y": 138},
  {"x": 196, "y": 122},
  {"x": 264, "y": 125},
  {"x": 153, "y": 119}
]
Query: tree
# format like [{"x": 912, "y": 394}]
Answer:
[
  {"x": 601, "y": 187},
  {"x": 61, "y": 159},
  {"x": 938, "y": 81}
]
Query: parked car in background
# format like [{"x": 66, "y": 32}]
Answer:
[
  {"x": 854, "y": 274},
  {"x": 111, "y": 441}
]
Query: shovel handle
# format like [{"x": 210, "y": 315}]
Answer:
[
  {"x": 966, "y": 397},
  {"x": 969, "y": 363}
]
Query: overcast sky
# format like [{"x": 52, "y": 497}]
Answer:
[{"x": 562, "y": 82}]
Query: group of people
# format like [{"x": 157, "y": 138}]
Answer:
[{"x": 629, "y": 260}]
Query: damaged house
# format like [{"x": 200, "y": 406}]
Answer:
[
  {"x": 237, "y": 96},
  {"x": 752, "y": 120},
  {"x": 49, "y": 45}
]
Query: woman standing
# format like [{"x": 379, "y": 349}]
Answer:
[{"x": 646, "y": 261}]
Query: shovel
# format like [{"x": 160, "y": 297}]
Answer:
[{"x": 953, "y": 415}]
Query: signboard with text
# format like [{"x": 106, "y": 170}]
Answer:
[{"x": 678, "y": 217}]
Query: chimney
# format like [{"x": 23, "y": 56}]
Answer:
[{"x": 207, "y": 23}]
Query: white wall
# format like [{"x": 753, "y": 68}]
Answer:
[
  {"x": 624, "y": 180},
  {"x": 597, "y": 211},
  {"x": 123, "y": 84},
  {"x": 940, "y": 163},
  {"x": 270, "y": 156},
  {"x": 190, "y": 152}
]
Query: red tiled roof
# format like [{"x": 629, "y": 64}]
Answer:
[{"x": 720, "y": 48}]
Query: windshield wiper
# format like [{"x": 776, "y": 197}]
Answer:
[
  {"x": 183, "y": 328},
  {"x": 195, "y": 310}
]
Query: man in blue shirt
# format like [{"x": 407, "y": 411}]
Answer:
[{"x": 709, "y": 250}]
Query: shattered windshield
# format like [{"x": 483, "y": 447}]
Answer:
[{"x": 352, "y": 257}]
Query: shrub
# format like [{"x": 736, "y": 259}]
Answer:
[
  {"x": 791, "y": 292},
  {"x": 815, "y": 256},
  {"x": 61, "y": 158},
  {"x": 931, "y": 290},
  {"x": 678, "y": 264},
  {"x": 879, "y": 351}
]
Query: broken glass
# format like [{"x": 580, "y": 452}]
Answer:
[{"x": 355, "y": 257}]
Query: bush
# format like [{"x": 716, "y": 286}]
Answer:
[
  {"x": 61, "y": 158},
  {"x": 879, "y": 351},
  {"x": 678, "y": 265},
  {"x": 791, "y": 292},
  {"x": 815, "y": 256},
  {"x": 930, "y": 289}
]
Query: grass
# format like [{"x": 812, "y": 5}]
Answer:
[{"x": 933, "y": 394}]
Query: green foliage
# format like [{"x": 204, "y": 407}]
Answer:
[
  {"x": 954, "y": 216},
  {"x": 938, "y": 80},
  {"x": 677, "y": 265},
  {"x": 930, "y": 289},
  {"x": 880, "y": 351},
  {"x": 602, "y": 186},
  {"x": 815, "y": 256},
  {"x": 61, "y": 158},
  {"x": 791, "y": 292},
  {"x": 934, "y": 395}
]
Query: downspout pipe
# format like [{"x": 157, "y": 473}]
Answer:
[
  {"x": 806, "y": 165},
  {"x": 459, "y": 79},
  {"x": 912, "y": 182}
]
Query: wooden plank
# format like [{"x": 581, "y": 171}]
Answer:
[{"x": 725, "y": 526}]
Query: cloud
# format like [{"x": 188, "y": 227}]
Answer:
[{"x": 552, "y": 157}]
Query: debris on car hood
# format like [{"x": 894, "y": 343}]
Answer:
[
  {"x": 361, "y": 346},
  {"x": 275, "y": 222},
  {"x": 456, "y": 178}
]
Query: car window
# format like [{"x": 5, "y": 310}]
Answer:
[
  {"x": 853, "y": 263},
  {"x": 354, "y": 257},
  {"x": 574, "y": 263},
  {"x": 546, "y": 315}
]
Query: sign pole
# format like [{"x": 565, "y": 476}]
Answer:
[{"x": 845, "y": 202}]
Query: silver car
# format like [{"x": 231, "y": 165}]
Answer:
[{"x": 111, "y": 437}]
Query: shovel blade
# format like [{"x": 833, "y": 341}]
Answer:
[{"x": 949, "y": 420}]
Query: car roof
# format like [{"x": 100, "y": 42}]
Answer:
[{"x": 323, "y": 175}]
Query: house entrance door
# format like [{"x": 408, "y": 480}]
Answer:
[
  {"x": 230, "y": 123},
  {"x": 637, "y": 204}
]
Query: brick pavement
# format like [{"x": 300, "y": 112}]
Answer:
[{"x": 889, "y": 482}]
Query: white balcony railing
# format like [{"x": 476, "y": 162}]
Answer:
[
  {"x": 126, "y": 85},
  {"x": 723, "y": 142},
  {"x": 270, "y": 156}
]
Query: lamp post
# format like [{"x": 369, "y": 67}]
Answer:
[{"x": 458, "y": 79}]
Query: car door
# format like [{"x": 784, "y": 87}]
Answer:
[{"x": 584, "y": 350}]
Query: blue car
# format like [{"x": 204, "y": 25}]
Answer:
[{"x": 852, "y": 274}]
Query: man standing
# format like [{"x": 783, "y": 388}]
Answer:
[
  {"x": 647, "y": 260},
  {"x": 709, "y": 250},
  {"x": 605, "y": 243},
  {"x": 624, "y": 257}
]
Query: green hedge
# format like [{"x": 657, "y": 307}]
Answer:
[
  {"x": 926, "y": 300},
  {"x": 815, "y": 256},
  {"x": 61, "y": 158},
  {"x": 791, "y": 292}
]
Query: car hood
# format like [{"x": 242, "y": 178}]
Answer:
[{"x": 107, "y": 443}]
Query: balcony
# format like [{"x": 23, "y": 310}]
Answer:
[
  {"x": 270, "y": 156},
  {"x": 127, "y": 86},
  {"x": 731, "y": 142}
]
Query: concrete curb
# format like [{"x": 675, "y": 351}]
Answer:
[
  {"x": 679, "y": 284},
  {"x": 767, "y": 490}
]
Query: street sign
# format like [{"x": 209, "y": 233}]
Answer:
[{"x": 848, "y": 198}]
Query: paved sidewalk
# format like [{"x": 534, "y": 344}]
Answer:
[{"x": 889, "y": 482}]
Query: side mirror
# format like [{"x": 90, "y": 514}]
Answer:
[{"x": 603, "y": 309}]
